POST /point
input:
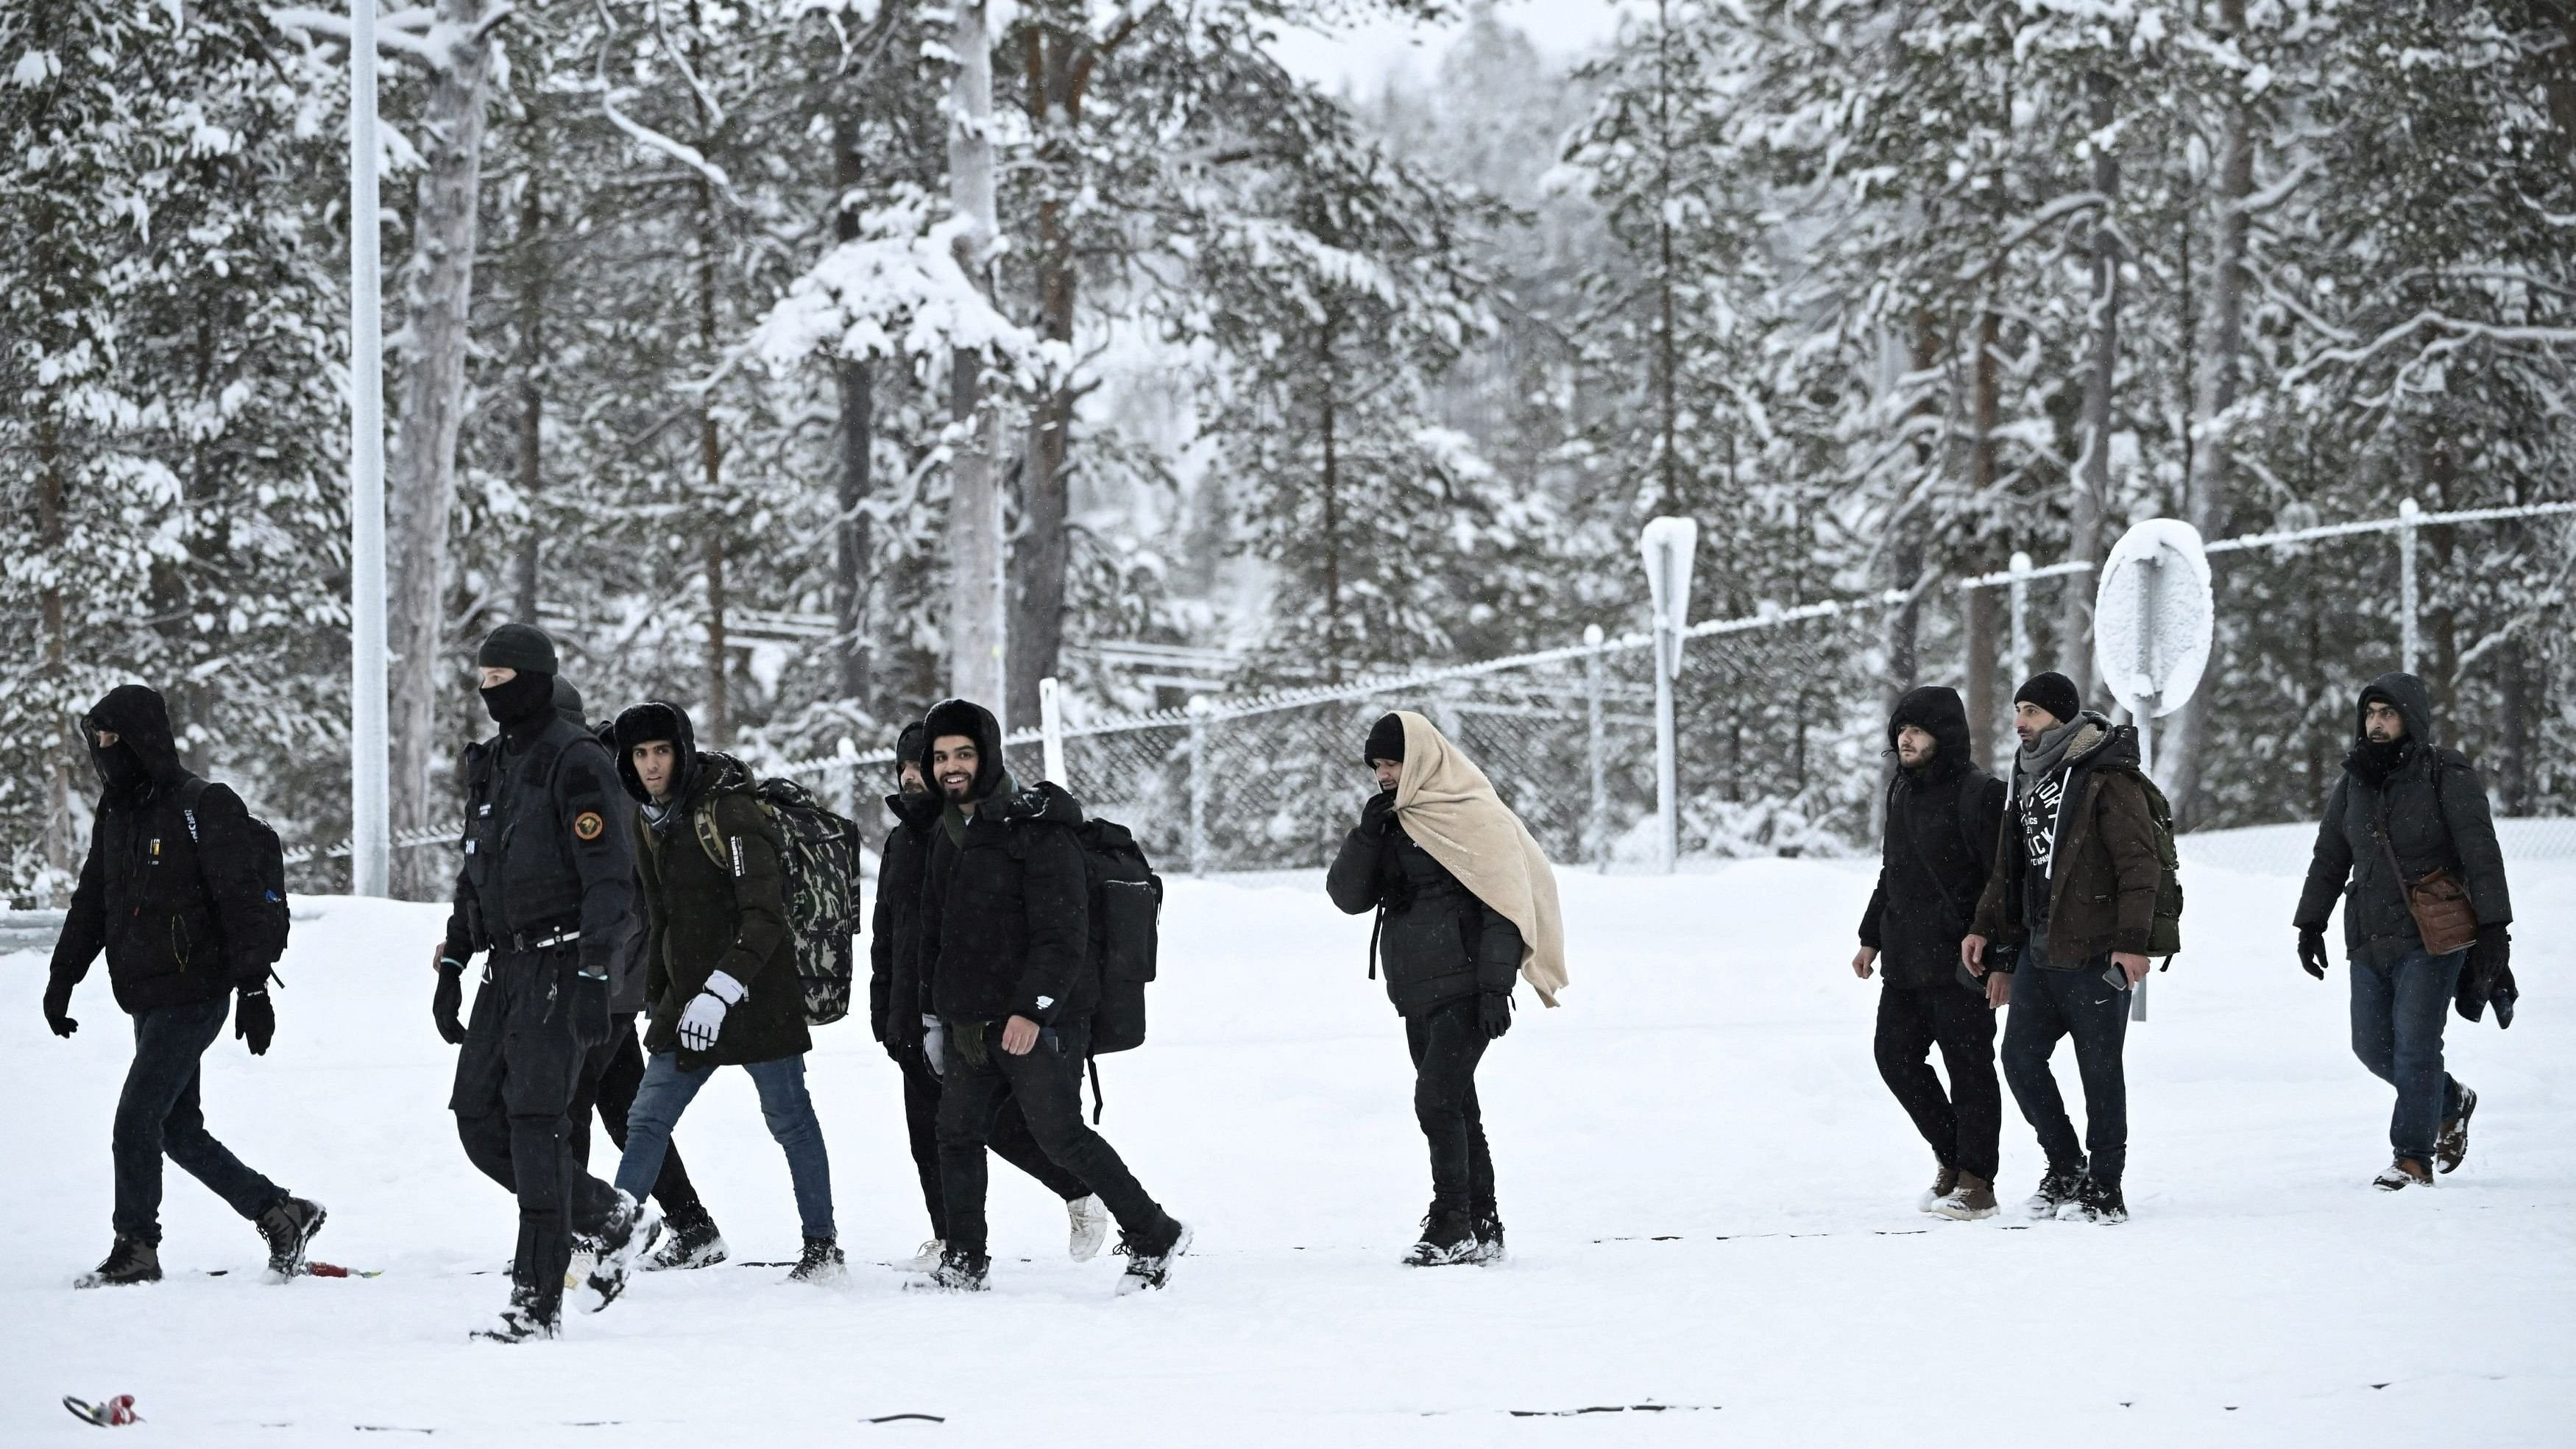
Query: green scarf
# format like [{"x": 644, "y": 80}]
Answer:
[{"x": 953, "y": 820}]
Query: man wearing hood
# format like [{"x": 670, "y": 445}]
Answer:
[
  {"x": 1943, "y": 817},
  {"x": 719, "y": 964},
  {"x": 548, "y": 888},
  {"x": 2408, "y": 813},
  {"x": 900, "y": 1011},
  {"x": 2073, "y": 892},
  {"x": 168, "y": 892},
  {"x": 1006, "y": 953}
]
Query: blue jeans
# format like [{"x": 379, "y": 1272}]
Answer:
[
  {"x": 159, "y": 1113},
  {"x": 2049, "y": 1003},
  {"x": 669, "y": 1088},
  {"x": 2397, "y": 1012}
]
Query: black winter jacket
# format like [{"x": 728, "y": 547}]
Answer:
[
  {"x": 155, "y": 894},
  {"x": 2437, "y": 816},
  {"x": 894, "y": 927},
  {"x": 1006, "y": 900},
  {"x": 548, "y": 846},
  {"x": 1943, "y": 822},
  {"x": 1438, "y": 942}
]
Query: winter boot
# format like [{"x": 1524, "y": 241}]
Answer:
[
  {"x": 1149, "y": 1260},
  {"x": 2404, "y": 1172},
  {"x": 958, "y": 1272},
  {"x": 1487, "y": 1224},
  {"x": 289, "y": 1226},
  {"x": 690, "y": 1242},
  {"x": 1447, "y": 1237},
  {"x": 524, "y": 1319},
  {"x": 632, "y": 1231},
  {"x": 820, "y": 1263},
  {"x": 130, "y": 1260},
  {"x": 2096, "y": 1201},
  {"x": 1944, "y": 1183},
  {"x": 2057, "y": 1188},
  {"x": 1973, "y": 1197},
  {"x": 2453, "y": 1148},
  {"x": 925, "y": 1261},
  {"x": 1090, "y": 1227}
]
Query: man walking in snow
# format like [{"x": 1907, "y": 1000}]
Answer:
[
  {"x": 172, "y": 894},
  {"x": 720, "y": 964},
  {"x": 899, "y": 1009},
  {"x": 2074, "y": 890},
  {"x": 2408, "y": 825},
  {"x": 1943, "y": 817},
  {"x": 548, "y": 888},
  {"x": 1006, "y": 954}
]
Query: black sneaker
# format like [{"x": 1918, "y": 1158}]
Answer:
[
  {"x": 690, "y": 1243},
  {"x": 821, "y": 1263},
  {"x": 289, "y": 1227},
  {"x": 129, "y": 1260},
  {"x": 2057, "y": 1187},
  {"x": 632, "y": 1231},
  {"x": 2096, "y": 1201},
  {"x": 958, "y": 1272},
  {"x": 1447, "y": 1237},
  {"x": 524, "y": 1319},
  {"x": 1149, "y": 1263},
  {"x": 2453, "y": 1148},
  {"x": 1488, "y": 1227}
]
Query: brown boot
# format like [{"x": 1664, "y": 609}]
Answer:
[
  {"x": 1944, "y": 1183},
  {"x": 1973, "y": 1198},
  {"x": 2403, "y": 1173}
]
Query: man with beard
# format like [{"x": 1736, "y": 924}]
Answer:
[
  {"x": 909, "y": 1030},
  {"x": 2074, "y": 888},
  {"x": 171, "y": 892},
  {"x": 1943, "y": 816},
  {"x": 548, "y": 887},
  {"x": 2408, "y": 814},
  {"x": 1006, "y": 953}
]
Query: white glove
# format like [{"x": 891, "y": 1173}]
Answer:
[
  {"x": 703, "y": 1021},
  {"x": 934, "y": 1044}
]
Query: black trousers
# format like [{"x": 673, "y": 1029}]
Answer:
[
  {"x": 1964, "y": 1125},
  {"x": 609, "y": 1076},
  {"x": 2048, "y": 1004},
  {"x": 1047, "y": 1086},
  {"x": 513, "y": 1104},
  {"x": 159, "y": 1113},
  {"x": 1011, "y": 1142},
  {"x": 1447, "y": 1042}
]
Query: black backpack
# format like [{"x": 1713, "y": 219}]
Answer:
[
  {"x": 264, "y": 926},
  {"x": 1126, "y": 916}
]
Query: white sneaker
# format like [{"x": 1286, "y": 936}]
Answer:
[
  {"x": 1090, "y": 1227},
  {"x": 926, "y": 1260}
]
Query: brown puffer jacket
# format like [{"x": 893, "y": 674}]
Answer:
[{"x": 2102, "y": 890}]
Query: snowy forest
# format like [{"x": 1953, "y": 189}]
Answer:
[{"x": 702, "y": 315}]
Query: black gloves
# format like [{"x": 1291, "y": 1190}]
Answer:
[
  {"x": 589, "y": 1009},
  {"x": 1377, "y": 812},
  {"x": 2492, "y": 952},
  {"x": 58, "y": 1006},
  {"x": 255, "y": 1020},
  {"x": 2312, "y": 951},
  {"x": 448, "y": 1001},
  {"x": 1494, "y": 1013}
]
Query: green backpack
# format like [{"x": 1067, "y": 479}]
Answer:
[{"x": 2164, "y": 935}]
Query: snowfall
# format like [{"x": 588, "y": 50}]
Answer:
[{"x": 1711, "y": 1200}]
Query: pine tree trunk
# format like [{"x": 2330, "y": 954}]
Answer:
[
  {"x": 856, "y": 382},
  {"x": 978, "y": 626},
  {"x": 717, "y": 728},
  {"x": 1985, "y": 390},
  {"x": 1332, "y": 521},
  {"x": 2092, "y": 481},
  {"x": 422, "y": 485},
  {"x": 62, "y": 844},
  {"x": 532, "y": 398},
  {"x": 1056, "y": 76}
]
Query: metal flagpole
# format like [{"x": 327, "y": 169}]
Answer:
[{"x": 370, "y": 836}]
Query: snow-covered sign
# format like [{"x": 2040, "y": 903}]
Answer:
[
  {"x": 2153, "y": 616},
  {"x": 1670, "y": 546}
]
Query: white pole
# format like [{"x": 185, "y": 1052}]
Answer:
[
  {"x": 1597, "y": 826},
  {"x": 1051, "y": 730},
  {"x": 370, "y": 835},
  {"x": 1198, "y": 784},
  {"x": 2406, "y": 514},
  {"x": 2020, "y": 619},
  {"x": 1668, "y": 818}
]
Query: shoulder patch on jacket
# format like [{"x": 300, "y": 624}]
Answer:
[{"x": 588, "y": 826}]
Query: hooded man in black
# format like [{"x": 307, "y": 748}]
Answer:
[
  {"x": 1943, "y": 816},
  {"x": 1006, "y": 952},
  {"x": 2405, "y": 803},
  {"x": 548, "y": 887},
  {"x": 901, "y": 1014},
  {"x": 169, "y": 892}
]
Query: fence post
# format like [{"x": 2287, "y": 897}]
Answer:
[
  {"x": 1596, "y": 828},
  {"x": 2406, "y": 512},
  {"x": 2020, "y": 618},
  {"x": 1198, "y": 784},
  {"x": 1051, "y": 730}
]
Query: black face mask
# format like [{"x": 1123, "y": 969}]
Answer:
[
  {"x": 120, "y": 769},
  {"x": 2376, "y": 760},
  {"x": 519, "y": 698}
]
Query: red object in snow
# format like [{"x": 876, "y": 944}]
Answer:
[
  {"x": 106, "y": 1413},
  {"x": 326, "y": 1270}
]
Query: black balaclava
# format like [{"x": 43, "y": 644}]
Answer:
[
  {"x": 1385, "y": 740},
  {"x": 522, "y": 705}
]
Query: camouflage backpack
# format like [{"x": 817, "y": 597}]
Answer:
[{"x": 818, "y": 852}]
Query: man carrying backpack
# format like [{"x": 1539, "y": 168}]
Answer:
[
  {"x": 2407, "y": 824},
  {"x": 1006, "y": 953},
  {"x": 2074, "y": 892},
  {"x": 1943, "y": 815},
  {"x": 720, "y": 964},
  {"x": 173, "y": 892},
  {"x": 900, "y": 1012},
  {"x": 548, "y": 888}
]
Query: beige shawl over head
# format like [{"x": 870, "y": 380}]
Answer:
[{"x": 1450, "y": 809}]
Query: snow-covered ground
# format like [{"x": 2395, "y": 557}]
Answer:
[{"x": 1710, "y": 1198}]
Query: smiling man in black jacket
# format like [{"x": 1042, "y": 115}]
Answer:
[
  {"x": 1005, "y": 950},
  {"x": 171, "y": 892},
  {"x": 1943, "y": 816}
]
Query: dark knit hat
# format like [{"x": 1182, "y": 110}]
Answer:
[
  {"x": 2053, "y": 692},
  {"x": 523, "y": 647},
  {"x": 1385, "y": 740},
  {"x": 907, "y": 748}
]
